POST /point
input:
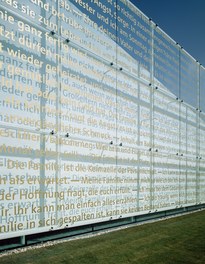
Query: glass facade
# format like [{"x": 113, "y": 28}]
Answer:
[{"x": 101, "y": 116}]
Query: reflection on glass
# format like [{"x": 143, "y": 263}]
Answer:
[
  {"x": 101, "y": 116},
  {"x": 166, "y": 62},
  {"x": 188, "y": 79}
]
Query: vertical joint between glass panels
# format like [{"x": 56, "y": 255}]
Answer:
[{"x": 152, "y": 25}]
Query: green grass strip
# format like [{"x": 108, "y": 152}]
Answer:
[{"x": 172, "y": 241}]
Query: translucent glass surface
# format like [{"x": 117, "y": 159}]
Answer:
[
  {"x": 166, "y": 62},
  {"x": 202, "y": 88},
  {"x": 134, "y": 38},
  {"x": 101, "y": 116},
  {"x": 188, "y": 79}
]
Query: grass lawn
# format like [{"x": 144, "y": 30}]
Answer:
[{"x": 172, "y": 241}]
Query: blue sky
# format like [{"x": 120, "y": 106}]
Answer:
[{"x": 183, "y": 20}]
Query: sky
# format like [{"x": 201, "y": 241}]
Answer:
[{"x": 182, "y": 20}]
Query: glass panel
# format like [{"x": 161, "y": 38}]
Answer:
[
  {"x": 42, "y": 13},
  {"x": 90, "y": 188},
  {"x": 88, "y": 97},
  {"x": 145, "y": 202},
  {"x": 91, "y": 25},
  {"x": 202, "y": 182},
  {"x": 29, "y": 81},
  {"x": 166, "y": 154},
  {"x": 166, "y": 123},
  {"x": 202, "y": 134},
  {"x": 202, "y": 89},
  {"x": 127, "y": 184},
  {"x": 134, "y": 40},
  {"x": 166, "y": 62},
  {"x": 202, "y": 156},
  {"x": 28, "y": 178},
  {"x": 188, "y": 79},
  {"x": 88, "y": 138},
  {"x": 127, "y": 110},
  {"x": 29, "y": 110},
  {"x": 183, "y": 153},
  {"x": 127, "y": 144},
  {"x": 189, "y": 149},
  {"x": 166, "y": 180},
  {"x": 191, "y": 181},
  {"x": 191, "y": 135}
]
